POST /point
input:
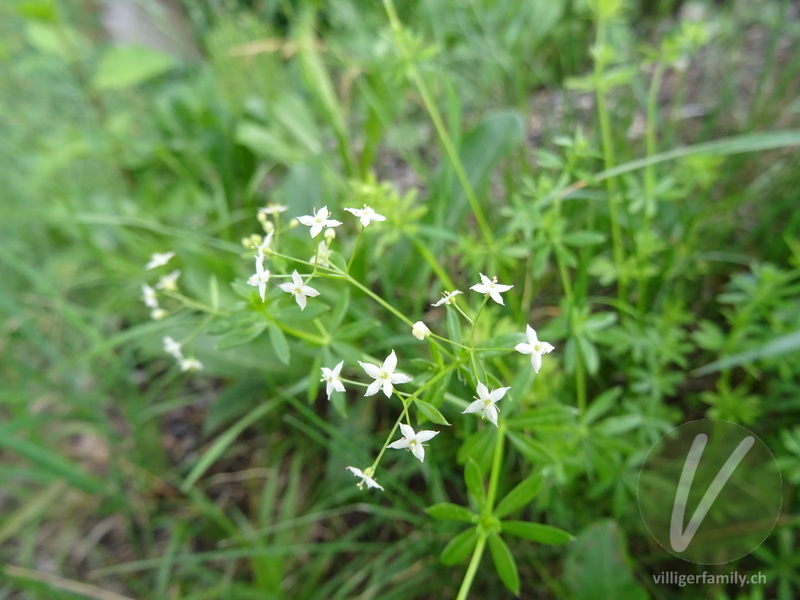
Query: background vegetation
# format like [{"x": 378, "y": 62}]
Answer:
[{"x": 630, "y": 167}]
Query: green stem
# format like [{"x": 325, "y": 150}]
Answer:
[
  {"x": 472, "y": 569},
  {"x": 608, "y": 158},
  {"x": 438, "y": 124},
  {"x": 355, "y": 249},
  {"x": 497, "y": 464}
]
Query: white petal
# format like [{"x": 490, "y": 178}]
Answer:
[
  {"x": 377, "y": 217},
  {"x": 498, "y": 394},
  {"x": 481, "y": 289},
  {"x": 338, "y": 385},
  {"x": 390, "y": 363},
  {"x": 309, "y": 291},
  {"x": 315, "y": 229},
  {"x": 301, "y": 301},
  {"x": 495, "y": 295},
  {"x": 419, "y": 451},
  {"x": 356, "y": 472},
  {"x": 365, "y": 220},
  {"x": 306, "y": 220},
  {"x": 399, "y": 378},
  {"x": 408, "y": 431},
  {"x": 296, "y": 279},
  {"x": 337, "y": 369},
  {"x": 424, "y": 436},
  {"x": 536, "y": 361},
  {"x": 322, "y": 213},
  {"x": 524, "y": 348},
  {"x": 530, "y": 332},
  {"x": 373, "y": 371},
  {"x": 474, "y": 407},
  {"x": 483, "y": 391},
  {"x": 491, "y": 413},
  {"x": 400, "y": 444},
  {"x": 286, "y": 287},
  {"x": 387, "y": 388},
  {"x": 502, "y": 288},
  {"x": 329, "y": 389},
  {"x": 373, "y": 388},
  {"x": 371, "y": 483},
  {"x": 547, "y": 348}
]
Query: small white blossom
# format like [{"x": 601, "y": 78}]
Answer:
[
  {"x": 169, "y": 282},
  {"x": 413, "y": 441},
  {"x": 190, "y": 364},
  {"x": 323, "y": 255},
  {"x": 158, "y": 313},
  {"x": 159, "y": 260},
  {"x": 260, "y": 278},
  {"x": 299, "y": 290},
  {"x": 420, "y": 330},
  {"x": 366, "y": 215},
  {"x": 272, "y": 209},
  {"x": 172, "y": 348},
  {"x": 333, "y": 380},
  {"x": 149, "y": 296},
  {"x": 491, "y": 287},
  {"x": 384, "y": 376},
  {"x": 534, "y": 347},
  {"x": 366, "y": 478},
  {"x": 447, "y": 298},
  {"x": 330, "y": 235},
  {"x": 319, "y": 221},
  {"x": 486, "y": 402}
]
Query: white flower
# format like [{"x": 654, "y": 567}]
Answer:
[
  {"x": 299, "y": 290},
  {"x": 158, "y": 260},
  {"x": 172, "y": 348},
  {"x": 413, "y": 441},
  {"x": 384, "y": 376},
  {"x": 491, "y": 287},
  {"x": 169, "y": 282},
  {"x": 273, "y": 209},
  {"x": 260, "y": 278},
  {"x": 323, "y": 255},
  {"x": 486, "y": 402},
  {"x": 319, "y": 221},
  {"x": 366, "y": 477},
  {"x": 149, "y": 296},
  {"x": 366, "y": 214},
  {"x": 534, "y": 347},
  {"x": 158, "y": 313},
  {"x": 332, "y": 378},
  {"x": 190, "y": 364},
  {"x": 420, "y": 330},
  {"x": 447, "y": 298}
]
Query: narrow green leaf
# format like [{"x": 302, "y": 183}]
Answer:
[
  {"x": 521, "y": 495},
  {"x": 279, "y": 344},
  {"x": 474, "y": 481},
  {"x": 447, "y": 511},
  {"x": 536, "y": 532},
  {"x": 431, "y": 412},
  {"x": 459, "y": 547},
  {"x": 504, "y": 563},
  {"x": 454, "y": 325}
]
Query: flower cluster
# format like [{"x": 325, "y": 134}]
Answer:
[
  {"x": 175, "y": 350},
  {"x": 167, "y": 283}
]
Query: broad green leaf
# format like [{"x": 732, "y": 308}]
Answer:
[
  {"x": 504, "y": 563},
  {"x": 126, "y": 66},
  {"x": 446, "y": 511},
  {"x": 459, "y": 547},
  {"x": 536, "y": 532},
  {"x": 521, "y": 495},
  {"x": 598, "y": 568},
  {"x": 474, "y": 481},
  {"x": 431, "y": 412},
  {"x": 279, "y": 344}
]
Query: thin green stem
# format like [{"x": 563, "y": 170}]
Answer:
[
  {"x": 438, "y": 124},
  {"x": 497, "y": 465},
  {"x": 472, "y": 569},
  {"x": 355, "y": 250}
]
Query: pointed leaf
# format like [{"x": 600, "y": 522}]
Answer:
[
  {"x": 474, "y": 481},
  {"x": 536, "y": 532},
  {"x": 279, "y": 344},
  {"x": 521, "y": 495},
  {"x": 459, "y": 547},
  {"x": 447, "y": 511},
  {"x": 504, "y": 563},
  {"x": 431, "y": 412}
]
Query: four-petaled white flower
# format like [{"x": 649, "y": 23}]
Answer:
[
  {"x": 190, "y": 364},
  {"x": 260, "y": 278},
  {"x": 447, "y": 298},
  {"x": 366, "y": 478},
  {"x": 319, "y": 221},
  {"x": 384, "y": 376},
  {"x": 420, "y": 330},
  {"x": 491, "y": 287},
  {"x": 273, "y": 209},
  {"x": 158, "y": 260},
  {"x": 413, "y": 441},
  {"x": 149, "y": 296},
  {"x": 486, "y": 402},
  {"x": 172, "y": 348},
  {"x": 169, "y": 282},
  {"x": 333, "y": 380},
  {"x": 366, "y": 215},
  {"x": 299, "y": 290},
  {"x": 534, "y": 347}
]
